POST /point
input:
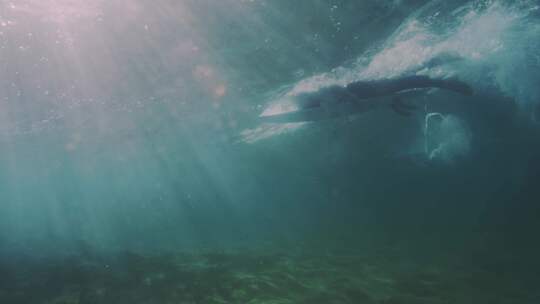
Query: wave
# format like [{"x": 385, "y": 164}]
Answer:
[{"x": 497, "y": 43}]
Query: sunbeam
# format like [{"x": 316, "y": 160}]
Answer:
[{"x": 269, "y": 151}]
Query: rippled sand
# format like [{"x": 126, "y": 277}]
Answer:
[{"x": 219, "y": 277}]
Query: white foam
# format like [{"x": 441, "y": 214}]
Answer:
[{"x": 498, "y": 44}]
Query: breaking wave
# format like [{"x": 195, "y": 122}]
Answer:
[{"x": 489, "y": 44}]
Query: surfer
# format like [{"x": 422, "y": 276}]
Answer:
[
  {"x": 360, "y": 90},
  {"x": 362, "y": 96}
]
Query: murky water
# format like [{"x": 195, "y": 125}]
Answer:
[{"x": 136, "y": 167}]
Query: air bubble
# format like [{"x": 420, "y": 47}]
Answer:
[{"x": 446, "y": 137}]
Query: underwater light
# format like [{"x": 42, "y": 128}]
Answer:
[{"x": 57, "y": 11}]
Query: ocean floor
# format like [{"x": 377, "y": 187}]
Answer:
[{"x": 255, "y": 278}]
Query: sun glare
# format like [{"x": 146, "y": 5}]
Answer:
[{"x": 58, "y": 11}]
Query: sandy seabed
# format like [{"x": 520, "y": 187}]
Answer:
[{"x": 263, "y": 278}]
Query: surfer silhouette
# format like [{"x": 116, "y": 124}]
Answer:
[
  {"x": 362, "y": 96},
  {"x": 361, "y": 90}
]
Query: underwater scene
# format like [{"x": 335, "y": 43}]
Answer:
[{"x": 269, "y": 152}]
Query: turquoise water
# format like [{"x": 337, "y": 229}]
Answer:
[{"x": 135, "y": 168}]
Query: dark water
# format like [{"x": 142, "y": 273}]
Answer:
[{"x": 134, "y": 168}]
